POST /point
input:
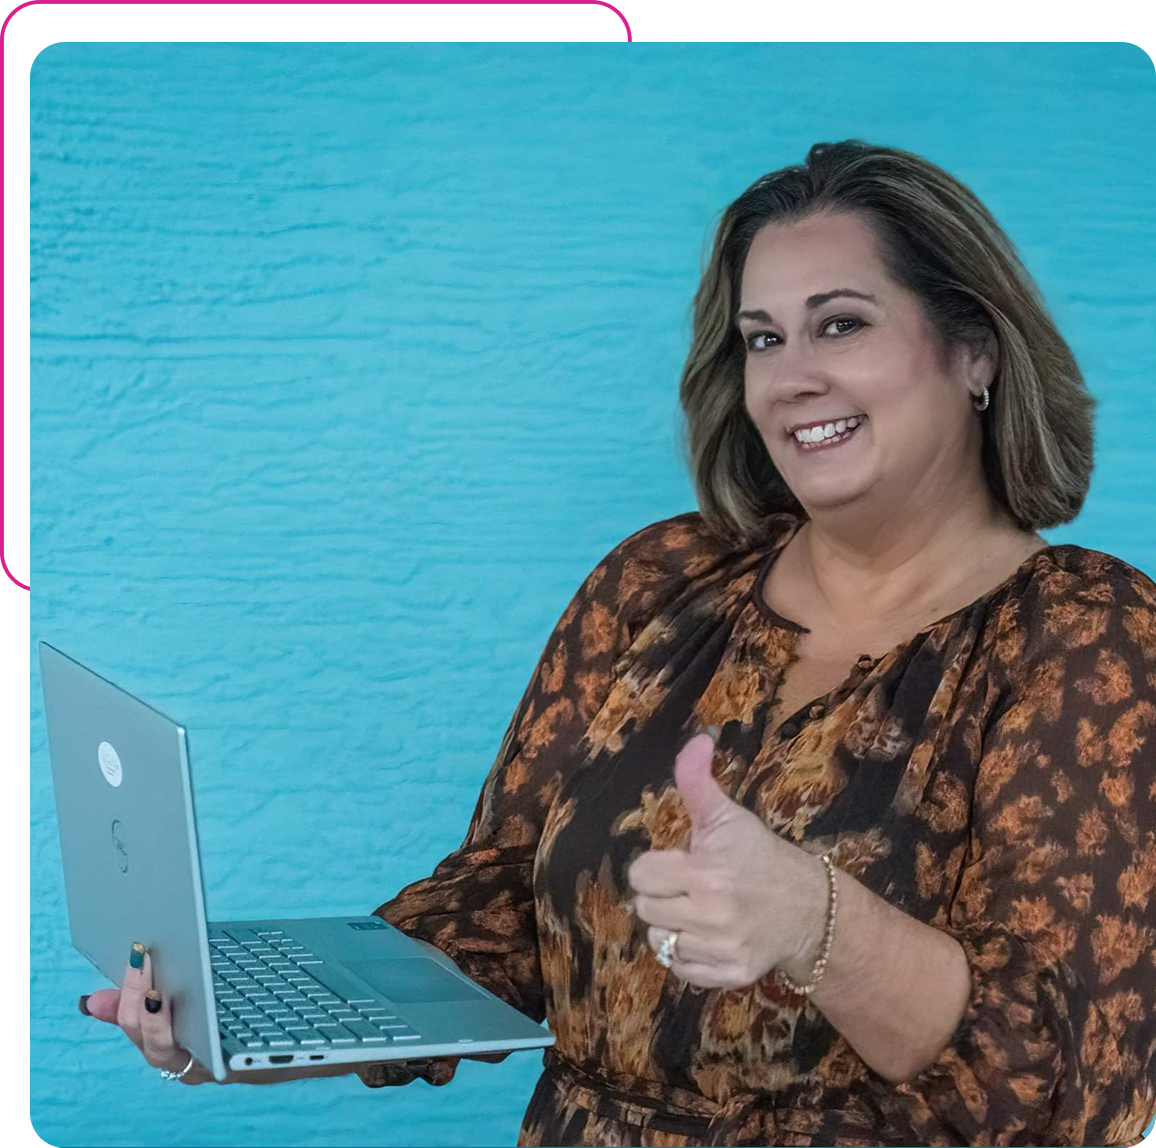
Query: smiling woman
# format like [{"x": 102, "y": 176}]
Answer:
[
  {"x": 904, "y": 892},
  {"x": 877, "y": 260}
]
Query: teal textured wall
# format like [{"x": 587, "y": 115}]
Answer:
[{"x": 350, "y": 361}]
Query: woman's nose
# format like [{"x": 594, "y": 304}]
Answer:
[{"x": 798, "y": 371}]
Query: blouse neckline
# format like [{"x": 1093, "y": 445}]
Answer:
[{"x": 777, "y": 619}]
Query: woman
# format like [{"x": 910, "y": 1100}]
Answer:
[{"x": 904, "y": 892}]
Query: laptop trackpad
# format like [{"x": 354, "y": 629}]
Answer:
[{"x": 412, "y": 980}]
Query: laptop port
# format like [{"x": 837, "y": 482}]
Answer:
[{"x": 281, "y": 1058}]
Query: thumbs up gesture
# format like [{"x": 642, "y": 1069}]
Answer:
[{"x": 741, "y": 899}]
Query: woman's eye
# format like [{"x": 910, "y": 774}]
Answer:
[
  {"x": 847, "y": 319},
  {"x": 751, "y": 340},
  {"x": 756, "y": 335}
]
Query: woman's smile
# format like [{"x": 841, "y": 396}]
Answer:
[{"x": 831, "y": 438}]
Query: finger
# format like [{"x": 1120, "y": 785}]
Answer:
[
  {"x": 704, "y": 976},
  {"x": 660, "y": 873},
  {"x": 705, "y": 801},
  {"x": 668, "y": 913},
  {"x": 156, "y": 1029},
  {"x": 103, "y": 1004},
  {"x": 688, "y": 949},
  {"x": 137, "y": 981}
]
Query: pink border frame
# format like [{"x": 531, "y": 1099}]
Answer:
[{"x": 38, "y": 23}]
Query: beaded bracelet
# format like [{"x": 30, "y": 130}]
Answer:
[{"x": 821, "y": 964}]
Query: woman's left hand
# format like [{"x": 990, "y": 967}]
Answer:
[{"x": 741, "y": 898}]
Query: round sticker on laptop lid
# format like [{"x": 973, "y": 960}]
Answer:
[{"x": 109, "y": 763}]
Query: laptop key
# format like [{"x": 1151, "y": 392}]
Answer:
[
  {"x": 365, "y": 1030},
  {"x": 332, "y": 1030}
]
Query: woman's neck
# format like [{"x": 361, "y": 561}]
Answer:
[{"x": 898, "y": 568}]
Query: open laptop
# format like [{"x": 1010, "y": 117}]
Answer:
[{"x": 246, "y": 995}]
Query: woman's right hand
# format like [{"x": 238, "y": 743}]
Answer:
[{"x": 151, "y": 1032}]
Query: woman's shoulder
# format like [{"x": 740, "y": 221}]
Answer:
[
  {"x": 686, "y": 541},
  {"x": 1076, "y": 576},
  {"x": 661, "y": 560},
  {"x": 685, "y": 548},
  {"x": 1075, "y": 598}
]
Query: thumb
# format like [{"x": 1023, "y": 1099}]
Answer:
[
  {"x": 704, "y": 800},
  {"x": 103, "y": 1004}
]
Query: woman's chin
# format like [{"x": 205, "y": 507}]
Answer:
[{"x": 820, "y": 495}]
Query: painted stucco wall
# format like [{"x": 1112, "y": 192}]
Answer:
[{"x": 350, "y": 361}]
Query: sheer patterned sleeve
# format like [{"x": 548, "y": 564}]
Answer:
[
  {"x": 1056, "y": 908},
  {"x": 478, "y": 904}
]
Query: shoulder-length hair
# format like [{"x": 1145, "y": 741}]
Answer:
[{"x": 938, "y": 241}]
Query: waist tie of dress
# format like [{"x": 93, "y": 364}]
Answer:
[{"x": 746, "y": 1118}]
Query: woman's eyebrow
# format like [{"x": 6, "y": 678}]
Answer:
[{"x": 813, "y": 301}]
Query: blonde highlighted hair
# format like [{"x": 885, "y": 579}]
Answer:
[{"x": 938, "y": 241}]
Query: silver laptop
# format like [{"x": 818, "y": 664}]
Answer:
[{"x": 246, "y": 995}]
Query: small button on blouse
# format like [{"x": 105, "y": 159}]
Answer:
[
  {"x": 817, "y": 710},
  {"x": 865, "y": 662}
]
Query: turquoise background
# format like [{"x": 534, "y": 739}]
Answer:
[{"x": 349, "y": 362}]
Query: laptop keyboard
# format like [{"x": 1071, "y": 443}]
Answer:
[{"x": 273, "y": 993}]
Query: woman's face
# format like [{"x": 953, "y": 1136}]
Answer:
[{"x": 813, "y": 358}]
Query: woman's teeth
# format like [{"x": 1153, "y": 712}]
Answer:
[{"x": 828, "y": 430}]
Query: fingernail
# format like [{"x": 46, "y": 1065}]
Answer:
[
  {"x": 136, "y": 956},
  {"x": 153, "y": 1000},
  {"x": 84, "y": 1005}
]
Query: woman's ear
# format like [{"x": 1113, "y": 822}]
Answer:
[
  {"x": 985, "y": 362},
  {"x": 979, "y": 363}
]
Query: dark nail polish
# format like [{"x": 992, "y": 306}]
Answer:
[
  {"x": 153, "y": 1000},
  {"x": 84, "y": 1005},
  {"x": 136, "y": 955}
]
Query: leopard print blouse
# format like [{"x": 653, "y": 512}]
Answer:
[{"x": 993, "y": 776}]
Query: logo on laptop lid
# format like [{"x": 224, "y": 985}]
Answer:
[
  {"x": 118, "y": 845},
  {"x": 109, "y": 761},
  {"x": 360, "y": 925}
]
